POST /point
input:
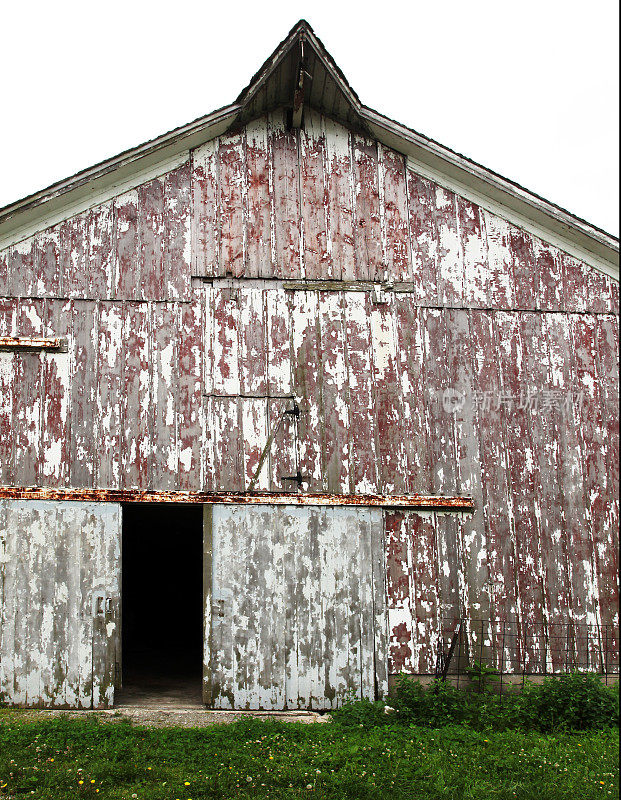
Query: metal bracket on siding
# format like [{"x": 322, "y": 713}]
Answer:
[
  {"x": 103, "y": 606},
  {"x": 297, "y": 478},
  {"x": 295, "y": 412}
]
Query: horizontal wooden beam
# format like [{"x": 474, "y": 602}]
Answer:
[
  {"x": 405, "y": 501},
  {"x": 32, "y": 343}
]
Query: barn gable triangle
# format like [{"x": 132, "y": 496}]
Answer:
[{"x": 301, "y": 73}]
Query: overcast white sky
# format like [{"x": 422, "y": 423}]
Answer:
[{"x": 526, "y": 88}]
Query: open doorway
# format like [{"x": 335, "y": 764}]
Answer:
[{"x": 162, "y": 604}]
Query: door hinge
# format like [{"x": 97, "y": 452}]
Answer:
[
  {"x": 297, "y": 478},
  {"x": 293, "y": 412}
]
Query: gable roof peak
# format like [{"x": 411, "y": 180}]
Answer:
[{"x": 299, "y": 74}]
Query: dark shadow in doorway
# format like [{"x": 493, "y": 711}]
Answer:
[{"x": 162, "y": 605}]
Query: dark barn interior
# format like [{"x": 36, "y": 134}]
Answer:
[{"x": 162, "y": 602}]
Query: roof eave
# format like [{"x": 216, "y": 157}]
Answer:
[
  {"x": 148, "y": 158},
  {"x": 473, "y": 180},
  {"x": 428, "y": 157}
]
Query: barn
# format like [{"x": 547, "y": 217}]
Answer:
[{"x": 294, "y": 399}]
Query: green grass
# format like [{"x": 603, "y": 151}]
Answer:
[{"x": 47, "y": 758}]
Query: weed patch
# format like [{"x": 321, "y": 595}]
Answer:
[
  {"x": 58, "y": 759},
  {"x": 573, "y": 702}
]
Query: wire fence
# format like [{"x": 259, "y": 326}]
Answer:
[{"x": 512, "y": 651}]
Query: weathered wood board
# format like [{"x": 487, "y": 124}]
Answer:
[
  {"x": 391, "y": 398},
  {"x": 433, "y": 348},
  {"x": 320, "y": 203},
  {"x": 60, "y": 590},
  {"x": 295, "y": 607}
]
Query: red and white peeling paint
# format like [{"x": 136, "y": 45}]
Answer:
[{"x": 185, "y": 346}]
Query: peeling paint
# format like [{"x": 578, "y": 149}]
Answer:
[{"x": 170, "y": 388}]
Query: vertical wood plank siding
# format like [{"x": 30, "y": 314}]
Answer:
[
  {"x": 58, "y": 644},
  {"x": 320, "y": 203},
  {"x": 494, "y": 374},
  {"x": 297, "y": 615}
]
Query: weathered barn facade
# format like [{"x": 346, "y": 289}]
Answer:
[{"x": 332, "y": 391}]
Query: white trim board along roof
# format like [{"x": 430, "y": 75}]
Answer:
[{"x": 301, "y": 73}]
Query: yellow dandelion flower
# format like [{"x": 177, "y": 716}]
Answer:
[
  {"x": 187, "y": 783},
  {"x": 93, "y": 781},
  {"x": 80, "y": 782}
]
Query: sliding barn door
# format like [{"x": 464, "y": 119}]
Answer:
[
  {"x": 59, "y": 620},
  {"x": 295, "y": 606}
]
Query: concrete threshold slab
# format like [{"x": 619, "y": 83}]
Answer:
[
  {"x": 184, "y": 716},
  {"x": 201, "y": 709},
  {"x": 203, "y": 717}
]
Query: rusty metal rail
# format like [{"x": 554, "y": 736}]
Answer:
[
  {"x": 32, "y": 343},
  {"x": 410, "y": 501}
]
